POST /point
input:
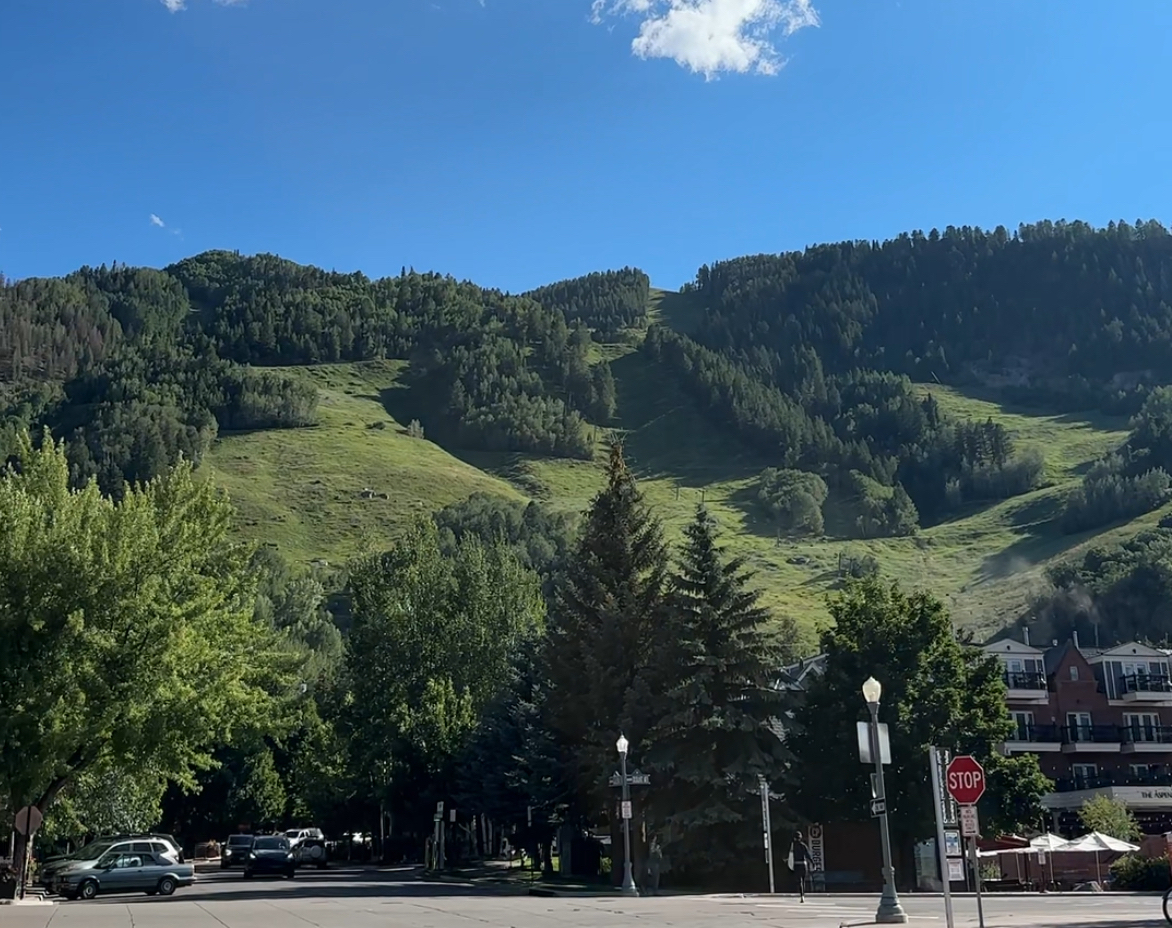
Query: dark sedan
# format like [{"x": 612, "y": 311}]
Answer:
[{"x": 270, "y": 854}]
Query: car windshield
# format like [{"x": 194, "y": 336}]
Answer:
[
  {"x": 91, "y": 851},
  {"x": 271, "y": 844},
  {"x": 293, "y": 833},
  {"x": 240, "y": 839}
]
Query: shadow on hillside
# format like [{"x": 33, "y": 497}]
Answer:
[
  {"x": 401, "y": 403},
  {"x": 1028, "y": 551},
  {"x": 1042, "y": 509},
  {"x": 1089, "y": 418},
  {"x": 1086, "y": 418},
  {"x": 681, "y": 311},
  {"x": 665, "y": 436}
]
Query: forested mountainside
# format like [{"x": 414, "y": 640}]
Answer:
[{"x": 819, "y": 366}]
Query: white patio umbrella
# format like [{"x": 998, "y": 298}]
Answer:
[
  {"x": 1048, "y": 843},
  {"x": 1097, "y": 842}
]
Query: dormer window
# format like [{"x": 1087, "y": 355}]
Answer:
[{"x": 1073, "y": 671}]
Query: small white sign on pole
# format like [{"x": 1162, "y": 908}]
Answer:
[
  {"x": 956, "y": 870},
  {"x": 969, "y": 826},
  {"x": 863, "y": 731},
  {"x": 627, "y": 809}
]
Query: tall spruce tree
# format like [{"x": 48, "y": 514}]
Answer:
[
  {"x": 605, "y": 624},
  {"x": 719, "y": 714}
]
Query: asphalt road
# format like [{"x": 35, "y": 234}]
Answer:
[{"x": 396, "y": 899}]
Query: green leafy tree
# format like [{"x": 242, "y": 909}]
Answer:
[
  {"x": 127, "y": 634},
  {"x": 106, "y": 802},
  {"x": 431, "y": 646},
  {"x": 511, "y": 770},
  {"x": 793, "y": 499},
  {"x": 1109, "y": 816},
  {"x": 718, "y": 726},
  {"x": 936, "y": 691},
  {"x": 259, "y": 797}
]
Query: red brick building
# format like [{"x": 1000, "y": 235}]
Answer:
[{"x": 1100, "y": 721}]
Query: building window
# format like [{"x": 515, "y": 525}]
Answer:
[
  {"x": 1142, "y": 726},
  {"x": 1078, "y": 724},
  {"x": 1084, "y": 775},
  {"x": 1024, "y": 726},
  {"x": 1142, "y": 772},
  {"x": 1073, "y": 672}
]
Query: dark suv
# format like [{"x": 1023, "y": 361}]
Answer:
[{"x": 235, "y": 851}]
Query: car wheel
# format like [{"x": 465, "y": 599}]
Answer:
[
  {"x": 167, "y": 886},
  {"x": 290, "y": 874},
  {"x": 87, "y": 890}
]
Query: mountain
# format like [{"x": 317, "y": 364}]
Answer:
[{"x": 951, "y": 407}]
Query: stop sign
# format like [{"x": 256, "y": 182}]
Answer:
[{"x": 965, "y": 780}]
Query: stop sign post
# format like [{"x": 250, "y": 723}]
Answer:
[{"x": 965, "y": 780}]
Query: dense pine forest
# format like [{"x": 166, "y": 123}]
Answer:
[{"x": 821, "y": 362}]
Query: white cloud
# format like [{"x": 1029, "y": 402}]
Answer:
[
  {"x": 176, "y": 5},
  {"x": 156, "y": 221},
  {"x": 711, "y": 36}
]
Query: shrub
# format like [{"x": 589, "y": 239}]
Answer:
[{"x": 1142, "y": 874}]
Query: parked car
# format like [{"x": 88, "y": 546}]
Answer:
[
  {"x": 176, "y": 849},
  {"x": 270, "y": 854},
  {"x": 309, "y": 846},
  {"x": 234, "y": 853},
  {"x": 120, "y": 871},
  {"x": 162, "y": 846}
]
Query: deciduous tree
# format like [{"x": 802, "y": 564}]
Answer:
[
  {"x": 127, "y": 634},
  {"x": 936, "y": 691}
]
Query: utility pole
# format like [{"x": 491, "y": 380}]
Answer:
[{"x": 767, "y": 824}]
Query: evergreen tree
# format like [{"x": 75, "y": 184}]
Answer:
[
  {"x": 605, "y": 621},
  {"x": 605, "y": 397},
  {"x": 717, "y": 731}
]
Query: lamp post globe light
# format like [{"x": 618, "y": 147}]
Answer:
[
  {"x": 890, "y": 911},
  {"x": 628, "y": 877}
]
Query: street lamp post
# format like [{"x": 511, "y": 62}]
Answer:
[
  {"x": 628, "y": 877},
  {"x": 890, "y": 911}
]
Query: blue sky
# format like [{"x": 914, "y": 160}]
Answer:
[{"x": 516, "y": 142}]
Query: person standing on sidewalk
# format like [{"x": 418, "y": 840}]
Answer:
[
  {"x": 802, "y": 861},
  {"x": 654, "y": 867}
]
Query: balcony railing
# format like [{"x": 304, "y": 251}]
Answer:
[
  {"x": 1091, "y": 734},
  {"x": 1025, "y": 680},
  {"x": 1145, "y": 683},
  {"x": 1037, "y": 733},
  {"x": 1110, "y": 778},
  {"x": 1146, "y": 734}
]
